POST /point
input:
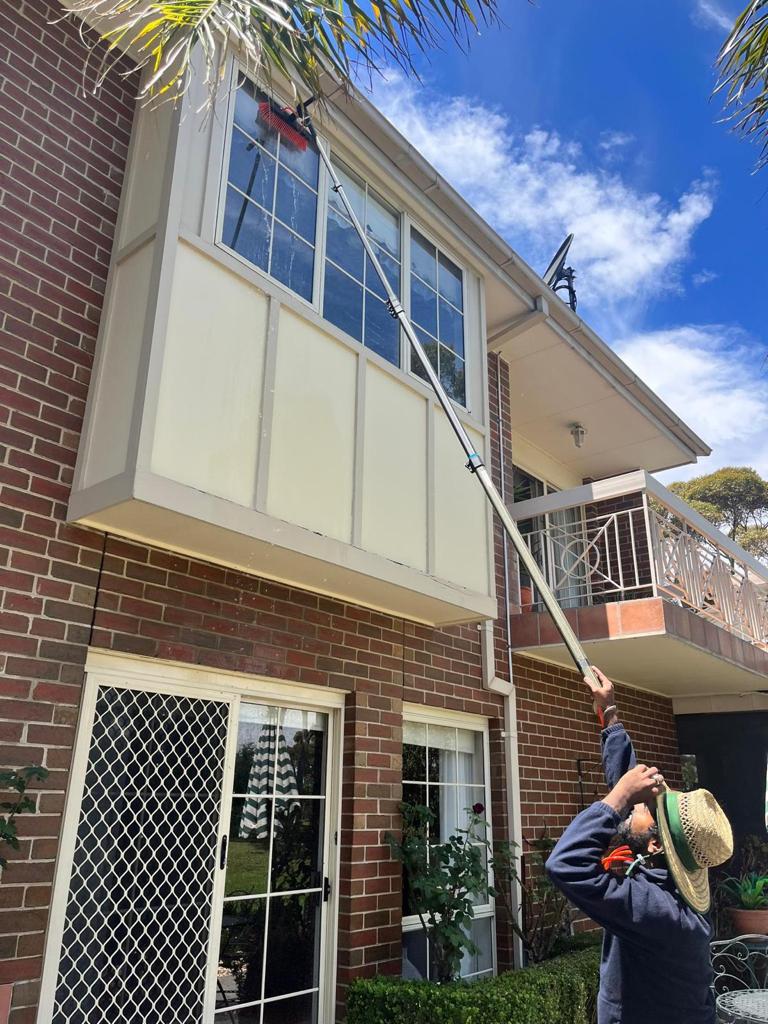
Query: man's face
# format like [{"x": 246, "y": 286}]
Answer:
[{"x": 639, "y": 831}]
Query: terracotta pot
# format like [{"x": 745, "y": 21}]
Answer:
[{"x": 749, "y": 922}]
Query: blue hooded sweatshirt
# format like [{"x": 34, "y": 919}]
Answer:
[{"x": 655, "y": 966}]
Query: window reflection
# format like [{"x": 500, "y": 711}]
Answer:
[{"x": 270, "y": 212}]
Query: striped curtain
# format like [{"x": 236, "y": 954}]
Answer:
[{"x": 254, "y": 821}]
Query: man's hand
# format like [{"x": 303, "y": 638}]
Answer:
[
  {"x": 602, "y": 692},
  {"x": 640, "y": 785}
]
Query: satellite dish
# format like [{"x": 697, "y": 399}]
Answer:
[{"x": 558, "y": 277}]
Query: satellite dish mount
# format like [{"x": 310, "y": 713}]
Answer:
[{"x": 560, "y": 278}]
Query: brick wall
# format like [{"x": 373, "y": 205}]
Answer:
[
  {"x": 557, "y": 726},
  {"x": 62, "y": 157}
]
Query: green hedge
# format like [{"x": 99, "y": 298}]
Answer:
[
  {"x": 575, "y": 943},
  {"x": 561, "y": 991}
]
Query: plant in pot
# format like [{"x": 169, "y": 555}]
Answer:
[{"x": 747, "y": 897}]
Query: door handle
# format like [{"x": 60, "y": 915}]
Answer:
[
  {"x": 326, "y": 889},
  {"x": 223, "y": 852}
]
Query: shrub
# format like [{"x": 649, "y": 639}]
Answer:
[
  {"x": 575, "y": 943},
  {"x": 561, "y": 991}
]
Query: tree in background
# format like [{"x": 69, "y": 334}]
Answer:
[
  {"x": 315, "y": 43},
  {"x": 743, "y": 67},
  {"x": 735, "y": 499}
]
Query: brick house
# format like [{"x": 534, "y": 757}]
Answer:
[{"x": 244, "y": 571}]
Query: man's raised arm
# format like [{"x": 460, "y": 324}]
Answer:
[{"x": 618, "y": 753}]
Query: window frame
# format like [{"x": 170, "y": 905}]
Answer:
[
  {"x": 422, "y": 715},
  {"x": 427, "y": 235},
  {"x": 407, "y": 223}
]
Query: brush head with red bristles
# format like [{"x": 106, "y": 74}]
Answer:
[{"x": 285, "y": 121}]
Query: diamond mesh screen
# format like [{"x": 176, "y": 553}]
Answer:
[{"x": 136, "y": 931}]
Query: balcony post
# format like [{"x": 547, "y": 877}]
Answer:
[{"x": 653, "y": 541}]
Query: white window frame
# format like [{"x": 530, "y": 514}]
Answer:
[
  {"x": 441, "y": 250},
  {"x": 407, "y": 223},
  {"x": 154, "y": 675},
  {"x": 422, "y": 715}
]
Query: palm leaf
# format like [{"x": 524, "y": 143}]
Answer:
[
  {"x": 743, "y": 75},
  {"x": 306, "y": 40}
]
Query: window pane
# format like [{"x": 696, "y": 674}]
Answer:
[
  {"x": 297, "y": 845},
  {"x": 241, "y": 952},
  {"x": 423, "y": 258},
  {"x": 251, "y": 169},
  {"x": 415, "y": 955},
  {"x": 382, "y": 225},
  {"x": 247, "y": 229},
  {"x": 424, "y": 306},
  {"x": 293, "y": 962},
  {"x": 247, "y": 115},
  {"x": 354, "y": 191},
  {"x": 250, "y": 827},
  {"x": 299, "y": 1010},
  {"x": 343, "y": 302},
  {"x": 296, "y": 205},
  {"x": 442, "y": 753},
  {"x": 414, "y": 763},
  {"x": 430, "y": 348},
  {"x": 452, "y": 374},
  {"x": 391, "y": 269},
  {"x": 303, "y": 734},
  {"x": 254, "y": 759},
  {"x": 482, "y": 936},
  {"x": 382, "y": 331},
  {"x": 343, "y": 245},
  {"x": 450, "y": 280},
  {"x": 305, "y": 162},
  {"x": 292, "y": 262},
  {"x": 451, "y": 330}
]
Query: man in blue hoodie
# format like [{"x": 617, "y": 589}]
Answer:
[{"x": 651, "y": 895}]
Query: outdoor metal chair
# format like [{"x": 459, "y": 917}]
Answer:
[{"x": 740, "y": 963}]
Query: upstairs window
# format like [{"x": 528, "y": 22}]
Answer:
[
  {"x": 437, "y": 311},
  {"x": 270, "y": 215},
  {"x": 353, "y": 297}
]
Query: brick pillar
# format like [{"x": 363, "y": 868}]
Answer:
[{"x": 370, "y": 887}]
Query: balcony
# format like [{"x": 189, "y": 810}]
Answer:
[{"x": 659, "y": 597}]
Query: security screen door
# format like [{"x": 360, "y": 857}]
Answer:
[{"x": 192, "y": 882}]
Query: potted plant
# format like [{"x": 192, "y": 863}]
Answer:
[{"x": 747, "y": 895}]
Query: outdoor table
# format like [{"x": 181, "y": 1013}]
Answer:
[{"x": 745, "y": 1007}]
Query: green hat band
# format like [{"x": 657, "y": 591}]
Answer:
[{"x": 672, "y": 808}]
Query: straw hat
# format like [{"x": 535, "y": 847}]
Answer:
[{"x": 696, "y": 836}]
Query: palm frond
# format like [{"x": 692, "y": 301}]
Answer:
[
  {"x": 303, "y": 39},
  {"x": 743, "y": 75}
]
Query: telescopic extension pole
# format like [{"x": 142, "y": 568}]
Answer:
[{"x": 474, "y": 463}]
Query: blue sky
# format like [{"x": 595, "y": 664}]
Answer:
[{"x": 588, "y": 117}]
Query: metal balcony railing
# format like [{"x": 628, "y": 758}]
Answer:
[{"x": 629, "y": 537}]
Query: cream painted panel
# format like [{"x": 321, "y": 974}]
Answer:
[
  {"x": 461, "y": 524},
  {"x": 394, "y": 513},
  {"x": 311, "y": 461},
  {"x": 537, "y": 462},
  {"x": 118, "y": 367},
  {"x": 209, "y": 407},
  {"x": 146, "y": 173}
]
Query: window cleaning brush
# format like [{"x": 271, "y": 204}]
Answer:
[{"x": 286, "y": 122}]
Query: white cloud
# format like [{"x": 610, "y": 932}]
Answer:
[
  {"x": 711, "y": 376},
  {"x": 709, "y": 14},
  {"x": 703, "y": 277},
  {"x": 611, "y": 141},
  {"x": 535, "y": 187}
]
